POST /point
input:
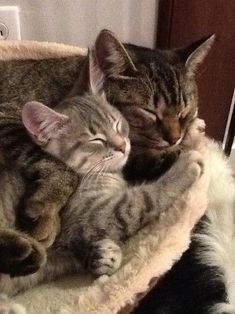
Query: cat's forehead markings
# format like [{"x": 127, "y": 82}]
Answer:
[
  {"x": 95, "y": 125},
  {"x": 182, "y": 100},
  {"x": 185, "y": 111},
  {"x": 91, "y": 130},
  {"x": 151, "y": 103},
  {"x": 161, "y": 107},
  {"x": 125, "y": 77},
  {"x": 177, "y": 86}
]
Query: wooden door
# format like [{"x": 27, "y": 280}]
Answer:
[{"x": 183, "y": 21}]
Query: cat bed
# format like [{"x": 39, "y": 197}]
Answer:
[{"x": 147, "y": 256}]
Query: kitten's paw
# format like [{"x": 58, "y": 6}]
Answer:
[
  {"x": 104, "y": 258},
  {"x": 45, "y": 229},
  {"x": 20, "y": 255}
]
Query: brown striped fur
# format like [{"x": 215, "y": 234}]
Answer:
[{"x": 156, "y": 91}]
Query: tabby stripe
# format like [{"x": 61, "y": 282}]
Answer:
[
  {"x": 170, "y": 86},
  {"x": 10, "y": 142},
  {"x": 82, "y": 162},
  {"x": 120, "y": 207},
  {"x": 32, "y": 155},
  {"x": 91, "y": 130},
  {"x": 163, "y": 90},
  {"x": 88, "y": 205},
  {"x": 176, "y": 73},
  {"x": 148, "y": 201},
  {"x": 70, "y": 151},
  {"x": 94, "y": 214}
]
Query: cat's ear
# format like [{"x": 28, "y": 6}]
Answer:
[
  {"x": 194, "y": 54},
  {"x": 43, "y": 123},
  {"x": 96, "y": 76},
  {"x": 112, "y": 57}
]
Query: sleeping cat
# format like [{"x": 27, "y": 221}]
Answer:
[
  {"x": 154, "y": 90},
  {"x": 21, "y": 82},
  {"x": 91, "y": 136}
]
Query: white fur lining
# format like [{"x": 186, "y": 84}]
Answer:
[{"x": 218, "y": 241}]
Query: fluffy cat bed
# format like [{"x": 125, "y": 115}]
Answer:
[{"x": 148, "y": 255}]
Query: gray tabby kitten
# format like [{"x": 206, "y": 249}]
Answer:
[{"x": 91, "y": 136}]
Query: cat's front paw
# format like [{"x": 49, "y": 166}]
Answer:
[
  {"x": 104, "y": 258},
  {"x": 192, "y": 163},
  {"x": 195, "y": 131},
  {"x": 20, "y": 255},
  {"x": 40, "y": 221},
  {"x": 45, "y": 229}
]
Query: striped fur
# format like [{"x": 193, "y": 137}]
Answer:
[
  {"x": 145, "y": 85},
  {"x": 105, "y": 210},
  {"x": 41, "y": 204},
  {"x": 156, "y": 91},
  {"x": 49, "y": 182},
  {"x": 202, "y": 281}
]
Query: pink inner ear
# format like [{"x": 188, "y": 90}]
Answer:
[
  {"x": 41, "y": 122},
  {"x": 31, "y": 119}
]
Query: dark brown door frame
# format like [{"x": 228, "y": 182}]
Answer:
[{"x": 231, "y": 132}]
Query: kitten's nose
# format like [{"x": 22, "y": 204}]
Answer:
[{"x": 121, "y": 147}]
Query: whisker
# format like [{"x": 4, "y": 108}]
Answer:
[
  {"x": 102, "y": 170},
  {"x": 91, "y": 172}
]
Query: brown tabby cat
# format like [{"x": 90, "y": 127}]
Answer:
[
  {"x": 156, "y": 92},
  {"x": 50, "y": 183}
]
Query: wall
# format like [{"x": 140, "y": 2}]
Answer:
[{"x": 78, "y": 21}]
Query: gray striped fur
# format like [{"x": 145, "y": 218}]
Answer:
[{"x": 105, "y": 210}]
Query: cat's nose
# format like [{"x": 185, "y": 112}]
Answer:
[
  {"x": 173, "y": 139},
  {"x": 121, "y": 147}
]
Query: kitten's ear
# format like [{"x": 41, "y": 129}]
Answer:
[
  {"x": 195, "y": 53},
  {"x": 112, "y": 56},
  {"x": 43, "y": 123},
  {"x": 96, "y": 76}
]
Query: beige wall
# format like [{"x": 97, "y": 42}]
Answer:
[{"x": 78, "y": 21}]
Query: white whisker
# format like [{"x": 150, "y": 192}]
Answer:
[{"x": 90, "y": 173}]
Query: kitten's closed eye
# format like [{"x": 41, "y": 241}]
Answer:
[{"x": 118, "y": 127}]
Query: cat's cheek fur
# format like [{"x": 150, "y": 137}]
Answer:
[{"x": 52, "y": 147}]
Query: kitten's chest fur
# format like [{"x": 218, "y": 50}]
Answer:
[{"x": 100, "y": 185}]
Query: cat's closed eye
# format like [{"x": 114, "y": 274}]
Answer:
[
  {"x": 149, "y": 113},
  {"x": 98, "y": 140}
]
